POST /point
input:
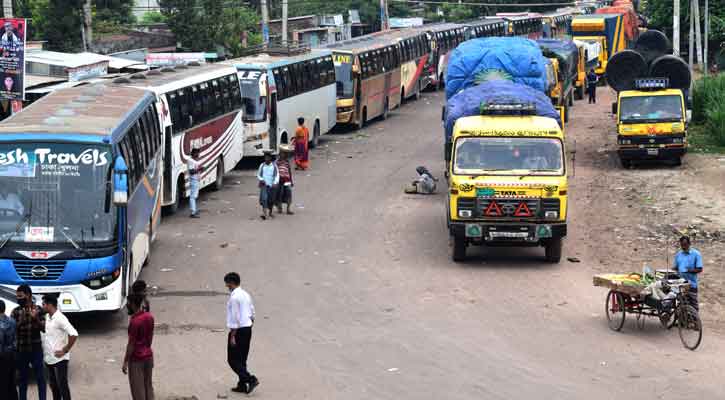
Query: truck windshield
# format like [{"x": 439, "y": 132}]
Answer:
[
  {"x": 644, "y": 109},
  {"x": 343, "y": 75},
  {"x": 55, "y": 193},
  {"x": 255, "y": 105},
  {"x": 508, "y": 156}
]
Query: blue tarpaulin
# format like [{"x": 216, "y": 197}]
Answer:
[
  {"x": 517, "y": 59},
  {"x": 468, "y": 102}
]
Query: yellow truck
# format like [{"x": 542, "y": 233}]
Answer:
[
  {"x": 507, "y": 181},
  {"x": 651, "y": 122},
  {"x": 561, "y": 88}
]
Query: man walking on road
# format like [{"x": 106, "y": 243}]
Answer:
[
  {"x": 195, "y": 170},
  {"x": 592, "y": 86},
  {"x": 138, "y": 362},
  {"x": 59, "y": 338},
  {"x": 29, "y": 322},
  {"x": 268, "y": 177},
  {"x": 688, "y": 262},
  {"x": 7, "y": 355},
  {"x": 240, "y": 318}
]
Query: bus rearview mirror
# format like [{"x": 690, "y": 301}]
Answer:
[{"x": 120, "y": 182}]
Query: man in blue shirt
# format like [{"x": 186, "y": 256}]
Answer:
[
  {"x": 688, "y": 262},
  {"x": 7, "y": 355},
  {"x": 268, "y": 177}
]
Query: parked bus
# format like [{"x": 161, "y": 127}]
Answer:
[
  {"x": 443, "y": 39},
  {"x": 201, "y": 108},
  {"x": 367, "y": 71},
  {"x": 414, "y": 49},
  {"x": 278, "y": 88},
  {"x": 486, "y": 27},
  {"x": 80, "y": 174},
  {"x": 557, "y": 24},
  {"x": 527, "y": 25}
]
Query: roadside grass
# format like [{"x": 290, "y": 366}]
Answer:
[{"x": 707, "y": 132}]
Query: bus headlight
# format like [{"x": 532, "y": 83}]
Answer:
[{"x": 103, "y": 281}]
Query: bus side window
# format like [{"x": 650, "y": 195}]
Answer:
[
  {"x": 216, "y": 98},
  {"x": 152, "y": 130},
  {"x": 320, "y": 73},
  {"x": 175, "y": 110},
  {"x": 184, "y": 98},
  {"x": 226, "y": 94},
  {"x": 126, "y": 154},
  {"x": 144, "y": 131},
  {"x": 287, "y": 73},
  {"x": 142, "y": 153},
  {"x": 330, "y": 71},
  {"x": 236, "y": 91}
]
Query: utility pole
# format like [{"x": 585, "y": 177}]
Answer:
[
  {"x": 691, "y": 36},
  {"x": 698, "y": 36},
  {"x": 265, "y": 22},
  {"x": 384, "y": 21},
  {"x": 676, "y": 28},
  {"x": 88, "y": 22},
  {"x": 284, "y": 22},
  {"x": 707, "y": 33},
  {"x": 8, "y": 8}
]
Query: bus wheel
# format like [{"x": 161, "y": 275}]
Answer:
[
  {"x": 174, "y": 207},
  {"x": 417, "y": 93},
  {"x": 386, "y": 109},
  {"x": 363, "y": 119},
  {"x": 219, "y": 182},
  {"x": 315, "y": 135}
]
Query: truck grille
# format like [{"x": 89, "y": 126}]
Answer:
[
  {"x": 36, "y": 270},
  {"x": 508, "y": 208}
]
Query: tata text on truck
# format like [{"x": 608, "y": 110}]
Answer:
[
  {"x": 651, "y": 122},
  {"x": 80, "y": 175},
  {"x": 507, "y": 181}
]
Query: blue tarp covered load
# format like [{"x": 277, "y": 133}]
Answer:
[
  {"x": 468, "y": 102},
  {"x": 515, "y": 58}
]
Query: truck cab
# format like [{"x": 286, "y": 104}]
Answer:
[
  {"x": 507, "y": 181},
  {"x": 651, "y": 122},
  {"x": 560, "y": 88}
]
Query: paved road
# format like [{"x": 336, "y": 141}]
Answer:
[{"x": 357, "y": 297}]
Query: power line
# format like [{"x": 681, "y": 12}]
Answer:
[{"x": 572, "y": 3}]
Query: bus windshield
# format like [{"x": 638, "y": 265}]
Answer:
[
  {"x": 253, "y": 99},
  {"x": 644, "y": 109},
  {"x": 55, "y": 193},
  {"x": 508, "y": 156},
  {"x": 343, "y": 74}
]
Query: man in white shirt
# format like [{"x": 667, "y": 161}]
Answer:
[
  {"x": 240, "y": 318},
  {"x": 59, "y": 338},
  {"x": 195, "y": 170}
]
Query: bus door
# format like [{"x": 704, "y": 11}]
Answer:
[
  {"x": 167, "y": 130},
  {"x": 273, "y": 121}
]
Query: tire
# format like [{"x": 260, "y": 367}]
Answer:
[
  {"x": 615, "y": 309},
  {"x": 677, "y": 161},
  {"x": 386, "y": 109},
  {"x": 689, "y": 327},
  {"x": 176, "y": 205},
  {"x": 570, "y": 103},
  {"x": 363, "y": 119},
  {"x": 566, "y": 114},
  {"x": 219, "y": 182},
  {"x": 552, "y": 250},
  {"x": 417, "y": 93},
  {"x": 459, "y": 249},
  {"x": 579, "y": 93},
  {"x": 315, "y": 135},
  {"x": 625, "y": 163}
]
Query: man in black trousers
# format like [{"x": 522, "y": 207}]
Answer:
[
  {"x": 240, "y": 318},
  {"x": 592, "y": 86}
]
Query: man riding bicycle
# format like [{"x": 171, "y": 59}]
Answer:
[{"x": 688, "y": 263}]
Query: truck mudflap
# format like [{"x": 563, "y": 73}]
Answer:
[{"x": 508, "y": 234}]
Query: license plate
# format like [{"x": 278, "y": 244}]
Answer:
[
  {"x": 653, "y": 152},
  {"x": 509, "y": 235}
]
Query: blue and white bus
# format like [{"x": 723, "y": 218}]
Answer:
[{"x": 80, "y": 194}]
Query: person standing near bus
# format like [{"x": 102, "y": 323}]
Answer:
[
  {"x": 301, "y": 143},
  {"x": 29, "y": 322},
  {"x": 195, "y": 170},
  {"x": 284, "y": 192},
  {"x": 59, "y": 338},
  {"x": 7, "y": 355},
  {"x": 138, "y": 361},
  {"x": 240, "y": 319},
  {"x": 268, "y": 177}
]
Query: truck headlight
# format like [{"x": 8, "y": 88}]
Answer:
[
  {"x": 625, "y": 141},
  {"x": 677, "y": 140},
  {"x": 465, "y": 213},
  {"x": 551, "y": 215}
]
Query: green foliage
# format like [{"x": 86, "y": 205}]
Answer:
[
  {"x": 708, "y": 107},
  {"x": 202, "y": 25},
  {"x": 119, "y": 12},
  {"x": 153, "y": 17},
  {"x": 659, "y": 13}
]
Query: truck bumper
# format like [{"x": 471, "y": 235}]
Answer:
[
  {"x": 507, "y": 234},
  {"x": 651, "y": 153}
]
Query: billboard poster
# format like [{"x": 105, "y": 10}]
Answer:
[
  {"x": 12, "y": 59},
  {"x": 173, "y": 59}
]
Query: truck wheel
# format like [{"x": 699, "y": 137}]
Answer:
[
  {"x": 677, "y": 161},
  {"x": 566, "y": 114},
  {"x": 625, "y": 163},
  {"x": 579, "y": 93},
  {"x": 570, "y": 103},
  {"x": 553, "y": 250},
  {"x": 459, "y": 248}
]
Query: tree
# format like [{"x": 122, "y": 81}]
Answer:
[
  {"x": 659, "y": 13},
  {"x": 202, "y": 25}
]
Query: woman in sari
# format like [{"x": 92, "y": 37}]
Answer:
[{"x": 301, "y": 145}]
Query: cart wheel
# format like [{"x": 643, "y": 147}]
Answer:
[
  {"x": 640, "y": 318},
  {"x": 615, "y": 309},
  {"x": 690, "y": 327}
]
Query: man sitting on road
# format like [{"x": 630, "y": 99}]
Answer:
[{"x": 688, "y": 262}]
